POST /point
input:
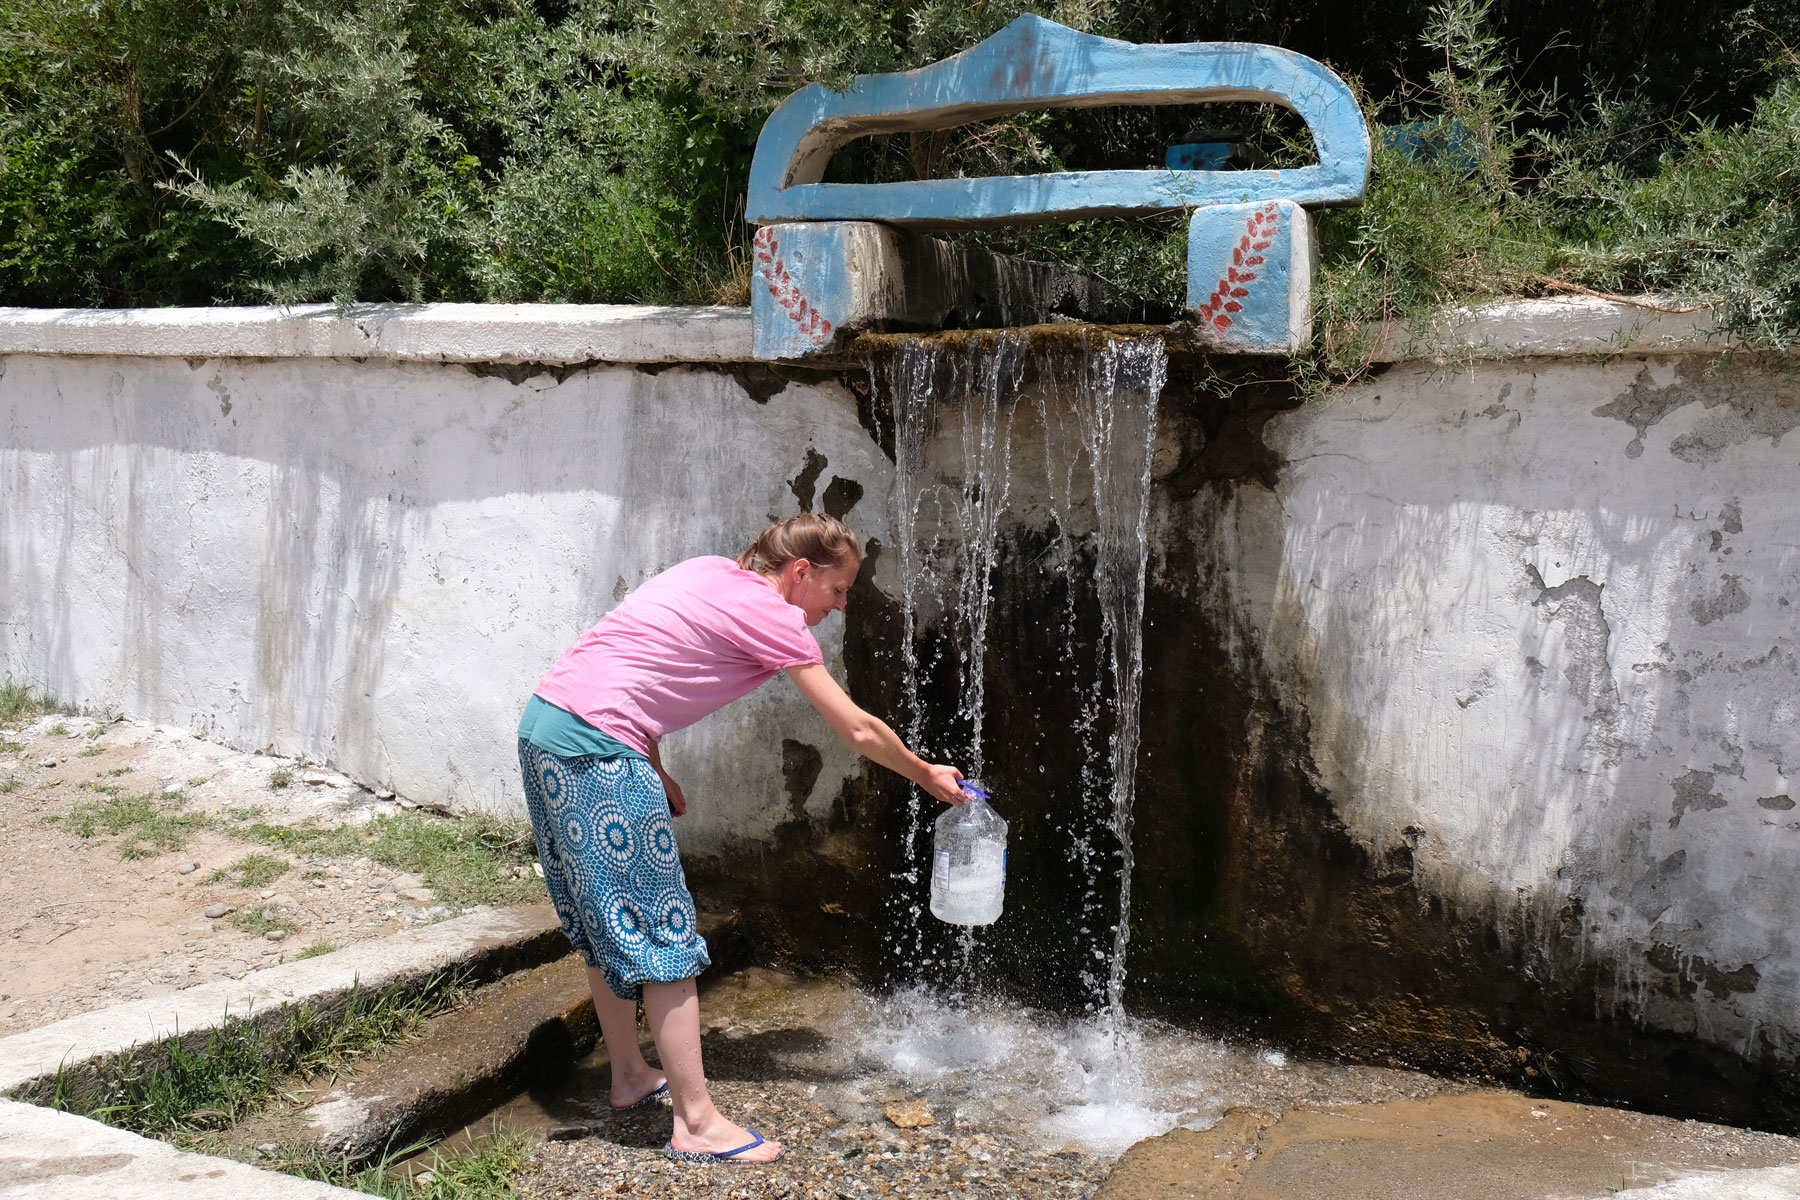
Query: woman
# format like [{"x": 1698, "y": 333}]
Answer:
[{"x": 685, "y": 643}]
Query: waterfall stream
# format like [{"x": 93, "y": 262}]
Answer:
[{"x": 957, "y": 403}]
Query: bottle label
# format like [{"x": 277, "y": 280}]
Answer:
[{"x": 940, "y": 870}]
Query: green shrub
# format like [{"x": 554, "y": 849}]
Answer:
[{"x": 216, "y": 151}]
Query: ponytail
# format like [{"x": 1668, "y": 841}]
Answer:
[{"x": 822, "y": 541}]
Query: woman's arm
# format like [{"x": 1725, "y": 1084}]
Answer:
[
  {"x": 870, "y": 736},
  {"x": 677, "y": 801}
]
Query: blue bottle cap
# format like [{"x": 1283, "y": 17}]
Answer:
[{"x": 973, "y": 788}]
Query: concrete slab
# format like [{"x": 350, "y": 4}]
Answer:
[
  {"x": 49, "y": 1154},
  {"x": 487, "y": 943},
  {"x": 1552, "y": 327},
  {"x": 478, "y": 333},
  {"x": 1484, "y": 1145},
  {"x": 569, "y": 334}
]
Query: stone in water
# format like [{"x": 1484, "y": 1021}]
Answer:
[{"x": 910, "y": 1114}]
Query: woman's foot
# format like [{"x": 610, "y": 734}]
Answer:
[
  {"x": 721, "y": 1136},
  {"x": 629, "y": 1091}
]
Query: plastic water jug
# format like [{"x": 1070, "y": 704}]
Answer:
[{"x": 968, "y": 861}]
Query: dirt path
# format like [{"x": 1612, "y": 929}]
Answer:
[{"x": 118, "y": 838}]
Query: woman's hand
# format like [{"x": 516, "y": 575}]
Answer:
[
  {"x": 940, "y": 780},
  {"x": 671, "y": 789},
  {"x": 677, "y": 801}
]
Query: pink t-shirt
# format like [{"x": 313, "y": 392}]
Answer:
[{"x": 686, "y": 643}]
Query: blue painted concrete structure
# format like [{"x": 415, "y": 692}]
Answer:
[
  {"x": 1250, "y": 275},
  {"x": 1197, "y": 156},
  {"x": 808, "y": 278},
  {"x": 1032, "y": 64},
  {"x": 1035, "y": 64}
]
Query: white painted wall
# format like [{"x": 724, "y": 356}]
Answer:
[
  {"x": 370, "y": 563},
  {"x": 1543, "y": 613},
  {"x": 1539, "y": 611}
]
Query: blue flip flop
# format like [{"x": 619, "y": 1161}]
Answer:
[
  {"x": 661, "y": 1089},
  {"x": 705, "y": 1156}
]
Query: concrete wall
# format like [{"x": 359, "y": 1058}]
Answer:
[
  {"x": 1469, "y": 691},
  {"x": 369, "y": 563},
  {"x": 1539, "y": 618}
]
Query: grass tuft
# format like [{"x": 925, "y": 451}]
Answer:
[
  {"x": 280, "y": 778},
  {"x": 484, "y": 1171},
  {"x": 22, "y": 702},
  {"x": 465, "y": 862},
  {"x": 264, "y": 918},
  {"x": 147, "y": 824},
  {"x": 316, "y": 949},
  {"x": 168, "y": 1088},
  {"x": 253, "y": 871}
]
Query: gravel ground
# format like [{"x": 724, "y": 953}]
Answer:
[
  {"x": 826, "y": 1157},
  {"x": 911, "y": 1096}
]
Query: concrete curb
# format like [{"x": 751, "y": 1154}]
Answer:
[
  {"x": 466, "y": 1063},
  {"x": 495, "y": 333},
  {"x": 44, "y": 1153},
  {"x": 1559, "y": 327},
  {"x": 487, "y": 943}
]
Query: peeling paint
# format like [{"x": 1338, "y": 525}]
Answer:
[
  {"x": 803, "y": 484},
  {"x": 1731, "y": 598}
]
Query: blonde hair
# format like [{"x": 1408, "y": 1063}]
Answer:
[{"x": 822, "y": 541}]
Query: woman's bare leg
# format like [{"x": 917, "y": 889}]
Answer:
[
  {"x": 632, "y": 1077},
  {"x": 673, "y": 1010}
]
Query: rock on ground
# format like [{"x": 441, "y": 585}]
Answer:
[{"x": 1482, "y": 1145}]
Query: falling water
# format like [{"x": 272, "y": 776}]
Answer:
[
  {"x": 1120, "y": 429},
  {"x": 949, "y": 576},
  {"x": 958, "y": 399}
]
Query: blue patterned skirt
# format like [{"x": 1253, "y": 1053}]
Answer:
[{"x": 608, "y": 847}]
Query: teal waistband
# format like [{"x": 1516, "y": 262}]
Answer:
[{"x": 559, "y": 731}]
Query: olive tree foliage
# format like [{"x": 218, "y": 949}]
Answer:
[
  {"x": 196, "y": 151},
  {"x": 229, "y": 151}
]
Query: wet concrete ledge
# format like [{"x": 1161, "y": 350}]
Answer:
[
  {"x": 485, "y": 944},
  {"x": 580, "y": 334}
]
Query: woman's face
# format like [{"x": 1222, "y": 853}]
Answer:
[{"x": 817, "y": 591}]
